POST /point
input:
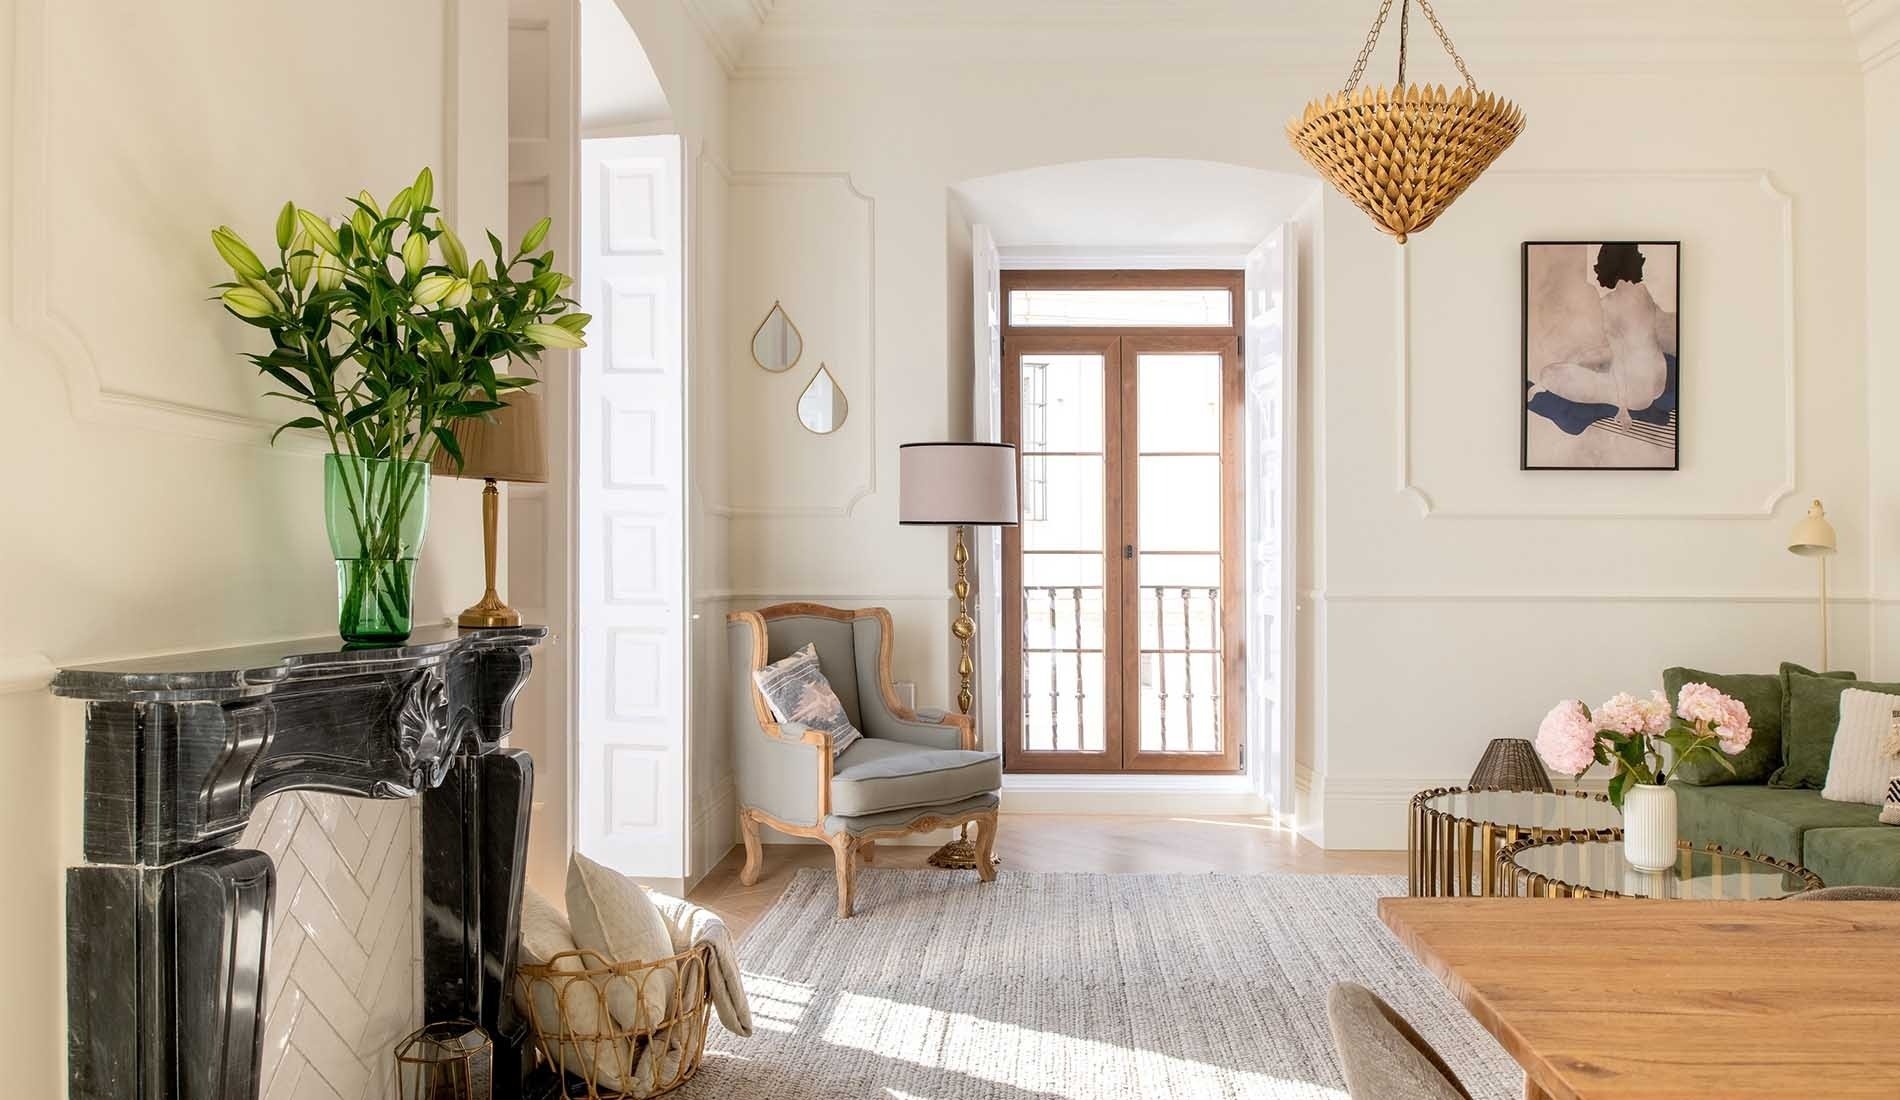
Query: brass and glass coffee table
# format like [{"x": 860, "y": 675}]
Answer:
[
  {"x": 1454, "y": 834},
  {"x": 1583, "y": 867}
]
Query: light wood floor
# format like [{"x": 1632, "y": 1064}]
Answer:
[{"x": 1065, "y": 842}]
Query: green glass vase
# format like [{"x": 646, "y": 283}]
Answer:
[{"x": 376, "y": 510}]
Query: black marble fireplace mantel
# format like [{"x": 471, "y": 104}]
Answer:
[{"x": 167, "y": 919}]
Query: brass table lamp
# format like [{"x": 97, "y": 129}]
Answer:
[
  {"x": 505, "y": 447},
  {"x": 958, "y": 485}
]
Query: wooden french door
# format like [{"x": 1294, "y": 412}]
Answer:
[{"x": 1123, "y": 580}]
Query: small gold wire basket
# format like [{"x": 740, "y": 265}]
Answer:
[{"x": 617, "y": 1030}]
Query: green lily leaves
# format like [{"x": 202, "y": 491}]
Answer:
[{"x": 380, "y": 328}]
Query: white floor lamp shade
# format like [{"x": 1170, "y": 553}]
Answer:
[{"x": 956, "y": 483}]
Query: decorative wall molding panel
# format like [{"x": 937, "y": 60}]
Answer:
[
  {"x": 789, "y": 229},
  {"x": 52, "y": 142},
  {"x": 1499, "y": 373},
  {"x": 343, "y": 972}
]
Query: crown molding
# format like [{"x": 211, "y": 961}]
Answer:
[
  {"x": 728, "y": 25},
  {"x": 1875, "y": 25},
  {"x": 1298, "y": 37}
]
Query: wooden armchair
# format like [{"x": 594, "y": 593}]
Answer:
[{"x": 910, "y": 773}]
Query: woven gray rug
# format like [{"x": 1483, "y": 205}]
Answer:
[{"x": 1086, "y": 987}]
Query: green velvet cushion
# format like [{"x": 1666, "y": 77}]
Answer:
[
  {"x": 1760, "y": 692},
  {"x": 1854, "y": 857},
  {"x": 1811, "y": 711},
  {"x": 1764, "y": 820}
]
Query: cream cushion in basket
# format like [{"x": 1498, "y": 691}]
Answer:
[
  {"x": 545, "y": 934},
  {"x": 611, "y": 914}
]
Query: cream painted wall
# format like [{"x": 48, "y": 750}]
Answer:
[
  {"x": 1422, "y": 635},
  {"x": 145, "y": 512},
  {"x": 1877, "y": 23}
]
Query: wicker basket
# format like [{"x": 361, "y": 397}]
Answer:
[{"x": 570, "y": 1001}]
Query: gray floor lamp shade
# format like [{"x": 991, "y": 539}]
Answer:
[{"x": 1510, "y": 764}]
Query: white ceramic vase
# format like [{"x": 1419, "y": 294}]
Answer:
[{"x": 1649, "y": 827}]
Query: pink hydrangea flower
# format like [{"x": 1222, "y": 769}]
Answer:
[
  {"x": 1720, "y": 714},
  {"x": 1625, "y": 713},
  {"x": 1567, "y": 738}
]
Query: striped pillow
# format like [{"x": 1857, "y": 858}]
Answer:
[{"x": 797, "y": 691}]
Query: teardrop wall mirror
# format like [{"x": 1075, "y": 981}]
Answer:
[
  {"x": 776, "y": 344},
  {"x": 822, "y": 407}
]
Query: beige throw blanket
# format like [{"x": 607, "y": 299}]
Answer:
[{"x": 692, "y": 926}]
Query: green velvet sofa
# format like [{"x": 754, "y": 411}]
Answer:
[{"x": 1773, "y": 806}]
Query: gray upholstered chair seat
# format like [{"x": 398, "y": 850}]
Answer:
[{"x": 875, "y": 775}]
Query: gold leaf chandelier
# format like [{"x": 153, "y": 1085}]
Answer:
[{"x": 1403, "y": 154}]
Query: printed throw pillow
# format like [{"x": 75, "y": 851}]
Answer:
[
  {"x": 1860, "y": 765},
  {"x": 1811, "y": 712},
  {"x": 797, "y": 691}
]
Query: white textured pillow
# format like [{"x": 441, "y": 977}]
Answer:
[
  {"x": 544, "y": 934},
  {"x": 612, "y": 915},
  {"x": 797, "y": 691},
  {"x": 1860, "y": 765}
]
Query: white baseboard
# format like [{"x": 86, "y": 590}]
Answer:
[{"x": 1132, "y": 795}]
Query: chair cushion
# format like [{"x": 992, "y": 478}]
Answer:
[
  {"x": 876, "y": 775},
  {"x": 1765, "y": 820},
  {"x": 1854, "y": 857}
]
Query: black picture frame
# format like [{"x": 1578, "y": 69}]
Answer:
[{"x": 1524, "y": 355}]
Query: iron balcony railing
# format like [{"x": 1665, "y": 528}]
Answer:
[{"x": 1189, "y": 615}]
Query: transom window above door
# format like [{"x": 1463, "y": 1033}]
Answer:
[{"x": 1154, "y": 307}]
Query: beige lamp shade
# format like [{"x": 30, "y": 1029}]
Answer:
[
  {"x": 507, "y": 446},
  {"x": 957, "y": 483},
  {"x": 1814, "y": 535}
]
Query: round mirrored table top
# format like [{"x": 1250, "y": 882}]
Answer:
[
  {"x": 1542, "y": 810},
  {"x": 1700, "y": 874}
]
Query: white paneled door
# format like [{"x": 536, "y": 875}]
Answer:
[
  {"x": 1271, "y": 367},
  {"x": 630, "y": 744}
]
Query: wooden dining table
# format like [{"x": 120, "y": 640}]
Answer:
[{"x": 1616, "y": 999}]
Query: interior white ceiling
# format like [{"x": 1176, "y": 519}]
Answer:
[
  {"x": 1147, "y": 203},
  {"x": 618, "y": 86}
]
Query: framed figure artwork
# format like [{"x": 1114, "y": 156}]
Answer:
[{"x": 1602, "y": 384}]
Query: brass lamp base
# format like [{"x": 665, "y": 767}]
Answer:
[
  {"x": 490, "y": 612},
  {"x": 958, "y": 855}
]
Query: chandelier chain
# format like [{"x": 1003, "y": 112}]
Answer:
[
  {"x": 1445, "y": 41},
  {"x": 1365, "y": 51},
  {"x": 1372, "y": 40}
]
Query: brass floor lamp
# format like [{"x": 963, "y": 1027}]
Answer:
[{"x": 958, "y": 485}]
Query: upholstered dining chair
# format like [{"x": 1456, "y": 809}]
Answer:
[
  {"x": 1382, "y": 1057},
  {"x": 910, "y": 772}
]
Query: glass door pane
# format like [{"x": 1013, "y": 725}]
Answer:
[
  {"x": 1178, "y": 475},
  {"x": 1064, "y": 540}
]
